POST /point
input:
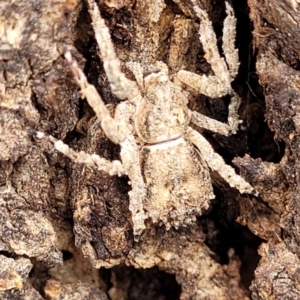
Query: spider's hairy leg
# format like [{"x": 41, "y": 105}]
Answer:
[
  {"x": 216, "y": 162},
  {"x": 219, "y": 84},
  {"x": 121, "y": 86},
  {"x": 228, "y": 41},
  {"x": 112, "y": 129},
  {"x": 233, "y": 115},
  {"x": 91, "y": 160},
  {"x": 210, "y": 124},
  {"x": 130, "y": 155},
  {"x": 213, "y": 125}
]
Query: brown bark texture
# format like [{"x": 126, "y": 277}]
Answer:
[{"x": 66, "y": 229}]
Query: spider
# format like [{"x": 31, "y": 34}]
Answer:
[{"x": 166, "y": 160}]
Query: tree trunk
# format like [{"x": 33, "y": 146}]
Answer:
[{"x": 66, "y": 229}]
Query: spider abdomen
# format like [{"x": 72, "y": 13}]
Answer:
[{"x": 175, "y": 186}]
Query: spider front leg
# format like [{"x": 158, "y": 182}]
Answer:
[
  {"x": 121, "y": 87},
  {"x": 113, "y": 130},
  {"x": 224, "y": 72}
]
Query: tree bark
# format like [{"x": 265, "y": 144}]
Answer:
[{"x": 66, "y": 229}]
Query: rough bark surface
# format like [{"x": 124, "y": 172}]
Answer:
[
  {"x": 276, "y": 40},
  {"x": 66, "y": 230}
]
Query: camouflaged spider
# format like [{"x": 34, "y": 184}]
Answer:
[{"x": 166, "y": 160}]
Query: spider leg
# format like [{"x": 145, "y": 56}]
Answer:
[
  {"x": 219, "y": 127},
  {"x": 115, "y": 131},
  {"x": 216, "y": 162},
  {"x": 219, "y": 84},
  {"x": 120, "y": 85},
  {"x": 91, "y": 160},
  {"x": 130, "y": 165},
  {"x": 228, "y": 42},
  {"x": 130, "y": 155}
]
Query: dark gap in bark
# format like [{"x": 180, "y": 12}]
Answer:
[
  {"x": 146, "y": 284},
  {"x": 259, "y": 138},
  {"x": 224, "y": 233}
]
